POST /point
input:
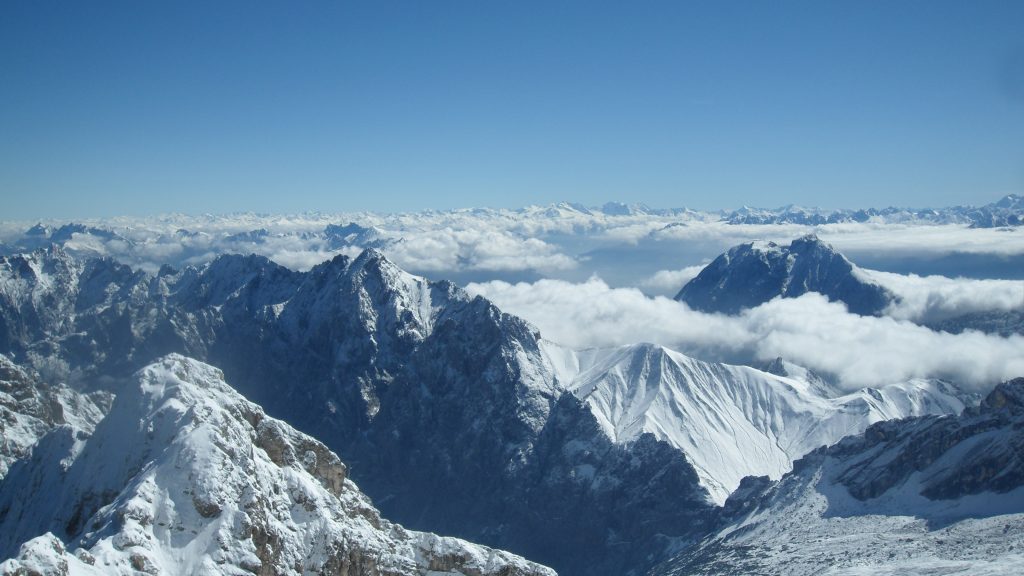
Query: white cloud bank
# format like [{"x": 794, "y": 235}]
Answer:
[
  {"x": 859, "y": 351},
  {"x": 670, "y": 282},
  {"x": 936, "y": 298},
  {"x": 651, "y": 251}
]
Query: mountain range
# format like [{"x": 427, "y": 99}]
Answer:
[
  {"x": 564, "y": 239},
  {"x": 451, "y": 415}
]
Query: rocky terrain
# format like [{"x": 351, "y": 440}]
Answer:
[
  {"x": 754, "y": 273},
  {"x": 929, "y": 495},
  {"x": 511, "y": 436},
  {"x": 185, "y": 476}
]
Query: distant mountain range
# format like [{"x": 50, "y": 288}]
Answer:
[{"x": 1007, "y": 211}]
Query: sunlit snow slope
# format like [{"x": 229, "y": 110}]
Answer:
[
  {"x": 922, "y": 496},
  {"x": 731, "y": 421},
  {"x": 184, "y": 476}
]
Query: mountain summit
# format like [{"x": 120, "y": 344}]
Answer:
[
  {"x": 185, "y": 476},
  {"x": 753, "y": 273}
]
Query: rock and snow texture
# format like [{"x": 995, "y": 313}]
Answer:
[
  {"x": 731, "y": 421},
  {"x": 751, "y": 274},
  {"x": 184, "y": 476},
  {"x": 930, "y": 495},
  {"x": 399, "y": 374},
  {"x": 29, "y": 409}
]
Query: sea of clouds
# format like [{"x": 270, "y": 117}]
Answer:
[
  {"x": 589, "y": 279},
  {"x": 854, "y": 350}
]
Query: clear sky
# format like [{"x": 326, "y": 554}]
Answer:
[{"x": 148, "y": 107}]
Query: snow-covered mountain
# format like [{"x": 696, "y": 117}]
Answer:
[
  {"x": 184, "y": 476},
  {"x": 924, "y": 495},
  {"x": 393, "y": 372},
  {"x": 732, "y": 421},
  {"x": 454, "y": 417},
  {"x": 1007, "y": 211},
  {"x": 753, "y": 273}
]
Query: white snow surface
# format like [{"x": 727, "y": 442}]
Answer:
[
  {"x": 29, "y": 409},
  {"x": 730, "y": 421},
  {"x": 184, "y": 476},
  {"x": 813, "y": 526},
  {"x": 923, "y": 496}
]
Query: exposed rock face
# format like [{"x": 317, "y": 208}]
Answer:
[
  {"x": 754, "y": 273},
  {"x": 184, "y": 476},
  {"x": 916, "y": 496},
  {"x": 992, "y": 463},
  {"x": 29, "y": 409},
  {"x": 1003, "y": 323}
]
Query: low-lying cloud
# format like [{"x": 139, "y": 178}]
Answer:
[
  {"x": 857, "y": 351},
  {"x": 653, "y": 251},
  {"x": 926, "y": 299},
  {"x": 670, "y": 282}
]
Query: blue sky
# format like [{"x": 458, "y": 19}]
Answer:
[{"x": 147, "y": 107}]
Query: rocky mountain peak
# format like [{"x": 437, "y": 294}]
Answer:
[
  {"x": 810, "y": 243},
  {"x": 755, "y": 272},
  {"x": 183, "y": 458},
  {"x": 1007, "y": 396}
]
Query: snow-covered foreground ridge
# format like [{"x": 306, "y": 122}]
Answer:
[
  {"x": 184, "y": 476},
  {"x": 929, "y": 495}
]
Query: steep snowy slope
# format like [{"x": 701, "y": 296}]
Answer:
[
  {"x": 930, "y": 495},
  {"x": 29, "y": 409},
  {"x": 184, "y": 476},
  {"x": 754, "y": 273},
  {"x": 731, "y": 421}
]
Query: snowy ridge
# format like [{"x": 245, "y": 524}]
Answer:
[
  {"x": 1007, "y": 211},
  {"x": 731, "y": 421},
  {"x": 930, "y": 495},
  {"x": 184, "y": 476}
]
